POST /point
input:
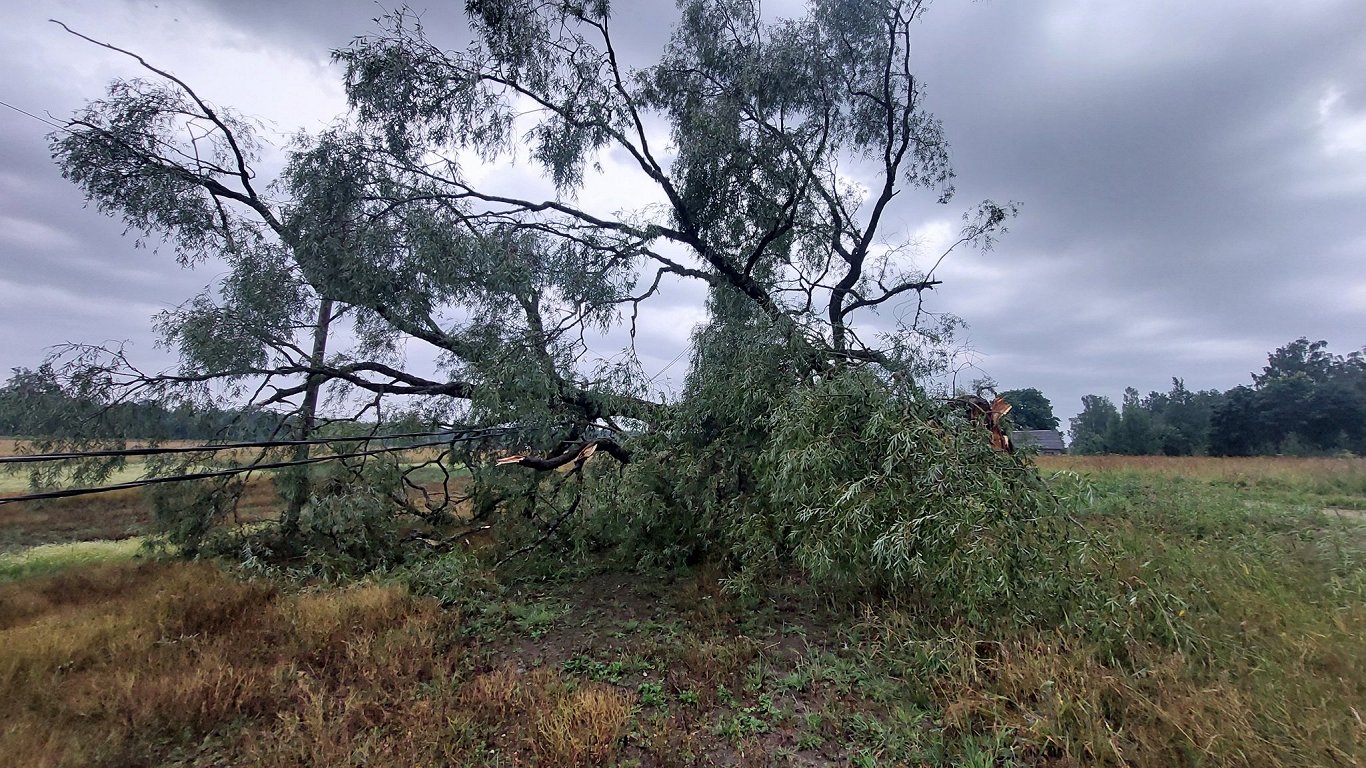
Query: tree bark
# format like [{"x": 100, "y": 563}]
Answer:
[{"x": 308, "y": 412}]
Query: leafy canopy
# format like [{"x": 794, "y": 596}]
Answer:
[
  {"x": 1030, "y": 409},
  {"x": 769, "y": 157}
]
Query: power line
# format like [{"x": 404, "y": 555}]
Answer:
[
  {"x": 69, "y": 492},
  {"x": 661, "y": 372},
  {"x": 26, "y": 113},
  {"x": 469, "y": 436},
  {"x": 162, "y": 450}
]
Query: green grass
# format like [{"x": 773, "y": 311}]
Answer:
[
  {"x": 18, "y": 482},
  {"x": 427, "y": 474},
  {"x": 51, "y": 558}
]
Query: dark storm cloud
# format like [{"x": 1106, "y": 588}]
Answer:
[
  {"x": 1191, "y": 178},
  {"x": 1178, "y": 213}
]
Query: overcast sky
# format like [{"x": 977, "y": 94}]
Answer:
[{"x": 1192, "y": 175}]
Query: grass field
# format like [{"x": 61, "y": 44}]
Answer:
[
  {"x": 1311, "y": 475},
  {"x": 53, "y": 558},
  {"x": 1235, "y": 637},
  {"x": 112, "y": 515},
  {"x": 126, "y": 513},
  {"x": 13, "y": 483}
]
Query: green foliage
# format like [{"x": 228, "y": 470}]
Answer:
[
  {"x": 535, "y": 619},
  {"x": 1090, "y": 427},
  {"x": 1235, "y": 429},
  {"x": 109, "y": 158},
  {"x": 874, "y": 491},
  {"x": 1030, "y": 409},
  {"x": 188, "y": 515},
  {"x": 1305, "y": 401},
  {"x": 1176, "y": 423},
  {"x": 33, "y": 403},
  {"x": 350, "y": 524},
  {"x": 652, "y": 695},
  {"x": 1134, "y": 433},
  {"x": 774, "y": 126},
  {"x": 603, "y": 672},
  {"x": 1301, "y": 358},
  {"x": 456, "y": 578},
  {"x": 857, "y": 488}
]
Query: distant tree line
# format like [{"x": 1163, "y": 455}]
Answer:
[
  {"x": 33, "y": 403},
  {"x": 1306, "y": 400}
]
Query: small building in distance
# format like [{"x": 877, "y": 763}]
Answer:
[{"x": 1045, "y": 440}]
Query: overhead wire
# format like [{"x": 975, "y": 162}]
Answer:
[
  {"x": 207, "y": 475},
  {"x": 27, "y": 113},
  {"x": 162, "y": 450},
  {"x": 665, "y": 369},
  {"x": 231, "y": 471}
]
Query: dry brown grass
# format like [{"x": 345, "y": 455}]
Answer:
[
  {"x": 160, "y": 663},
  {"x": 127, "y": 665},
  {"x": 1254, "y": 469},
  {"x": 583, "y": 727},
  {"x": 537, "y": 714}
]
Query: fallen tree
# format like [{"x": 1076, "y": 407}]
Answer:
[{"x": 788, "y": 143}]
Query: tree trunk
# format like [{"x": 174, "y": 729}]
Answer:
[{"x": 289, "y": 524}]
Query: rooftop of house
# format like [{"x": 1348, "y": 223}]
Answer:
[{"x": 1043, "y": 439}]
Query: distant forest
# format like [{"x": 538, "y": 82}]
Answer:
[
  {"x": 33, "y": 403},
  {"x": 1306, "y": 401}
]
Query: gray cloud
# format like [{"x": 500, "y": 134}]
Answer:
[
  {"x": 1191, "y": 176},
  {"x": 1180, "y": 217}
]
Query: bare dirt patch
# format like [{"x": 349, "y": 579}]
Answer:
[{"x": 1351, "y": 514}]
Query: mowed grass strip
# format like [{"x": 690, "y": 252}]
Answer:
[{"x": 51, "y": 558}]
